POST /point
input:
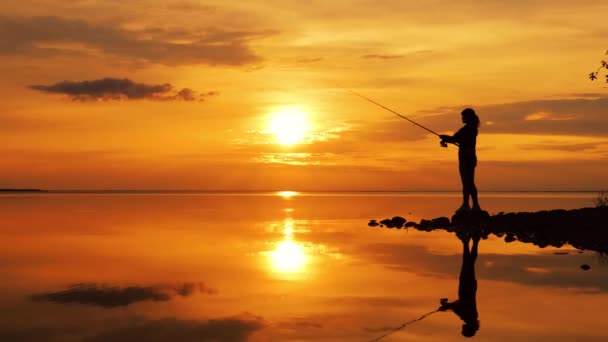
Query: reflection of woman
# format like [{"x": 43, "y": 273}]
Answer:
[{"x": 466, "y": 305}]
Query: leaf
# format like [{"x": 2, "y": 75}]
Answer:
[{"x": 592, "y": 76}]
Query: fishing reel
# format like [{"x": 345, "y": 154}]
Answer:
[{"x": 443, "y": 143}]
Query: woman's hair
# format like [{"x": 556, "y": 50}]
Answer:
[{"x": 469, "y": 117}]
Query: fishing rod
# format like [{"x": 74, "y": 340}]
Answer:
[
  {"x": 392, "y": 111},
  {"x": 443, "y": 144}
]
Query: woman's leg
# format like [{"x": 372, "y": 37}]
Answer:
[
  {"x": 473, "y": 188},
  {"x": 466, "y": 189}
]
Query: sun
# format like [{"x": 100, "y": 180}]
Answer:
[{"x": 289, "y": 125}]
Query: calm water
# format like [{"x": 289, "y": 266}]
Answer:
[{"x": 267, "y": 267}]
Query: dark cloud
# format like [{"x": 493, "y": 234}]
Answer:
[
  {"x": 233, "y": 329},
  {"x": 114, "y": 296},
  {"x": 117, "y": 89},
  {"x": 33, "y": 35}
]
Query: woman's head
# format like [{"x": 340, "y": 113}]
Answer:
[{"x": 469, "y": 117}]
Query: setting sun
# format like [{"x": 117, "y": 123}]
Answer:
[{"x": 289, "y": 125}]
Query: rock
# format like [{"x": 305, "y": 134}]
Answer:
[
  {"x": 584, "y": 228},
  {"x": 386, "y": 222},
  {"x": 398, "y": 221},
  {"x": 471, "y": 218},
  {"x": 585, "y": 267},
  {"x": 373, "y": 223}
]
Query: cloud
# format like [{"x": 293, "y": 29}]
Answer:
[
  {"x": 309, "y": 60},
  {"x": 117, "y": 89},
  {"x": 380, "y": 56},
  {"x": 42, "y": 36},
  {"x": 585, "y": 115},
  {"x": 190, "y": 6},
  {"x": 114, "y": 296},
  {"x": 558, "y": 146},
  {"x": 232, "y": 329}
]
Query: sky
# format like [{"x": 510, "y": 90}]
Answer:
[{"x": 233, "y": 95}]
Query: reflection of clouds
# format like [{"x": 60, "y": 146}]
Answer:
[
  {"x": 535, "y": 270},
  {"x": 299, "y": 323},
  {"x": 233, "y": 329},
  {"x": 113, "y": 296}
]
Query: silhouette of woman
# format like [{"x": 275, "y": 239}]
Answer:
[
  {"x": 466, "y": 139},
  {"x": 466, "y": 305}
]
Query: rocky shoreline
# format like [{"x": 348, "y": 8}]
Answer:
[{"x": 585, "y": 228}]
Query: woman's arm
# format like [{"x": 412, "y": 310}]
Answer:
[{"x": 447, "y": 138}]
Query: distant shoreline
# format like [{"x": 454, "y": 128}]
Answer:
[{"x": 23, "y": 190}]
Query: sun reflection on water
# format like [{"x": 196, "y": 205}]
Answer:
[
  {"x": 289, "y": 256},
  {"x": 287, "y": 194}
]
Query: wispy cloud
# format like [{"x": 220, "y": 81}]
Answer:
[
  {"x": 121, "y": 89},
  {"x": 560, "y": 146},
  {"x": 584, "y": 115},
  {"x": 33, "y": 35},
  {"x": 114, "y": 296},
  {"x": 381, "y": 56}
]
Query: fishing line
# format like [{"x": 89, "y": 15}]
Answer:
[{"x": 404, "y": 325}]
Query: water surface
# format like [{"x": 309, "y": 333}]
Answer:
[{"x": 280, "y": 267}]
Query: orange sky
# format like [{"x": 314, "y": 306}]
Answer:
[{"x": 522, "y": 66}]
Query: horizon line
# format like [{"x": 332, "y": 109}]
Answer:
[{"x": 268, "y": 191}]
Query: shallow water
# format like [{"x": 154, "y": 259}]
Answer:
[{"x": 288, "y": 267}]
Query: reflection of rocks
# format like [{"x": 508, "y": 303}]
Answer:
[
  {"x": 471, "y": 218},
  {"x": 585, "y": 228},
  {"x": 395, "y": 222}
]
